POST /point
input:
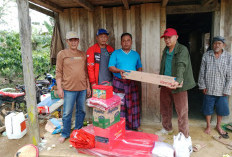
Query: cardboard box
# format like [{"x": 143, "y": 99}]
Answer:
[
  {"x": 104, "y": 119},
  {"x": 151, "y": 78},
  {"x": 102, "y": 91},
  {"x": 108, "y": 138}
]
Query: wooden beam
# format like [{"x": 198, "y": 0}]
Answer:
[
  {"x": 85, "y": 4},
  {"x": 164, "y": 3},
  {"x": 49, "y": 5},
  {"x": 29, "y": 79},
  {"x": 126, "y": 4},
  {"x": 185, "y": 9},
  {"x": 41, "y": 10},
  {"x": 206, "y": 2}
]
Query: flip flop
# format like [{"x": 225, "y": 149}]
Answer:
[
  {"x": 229, "y": 127},
  {"x": 226, "y": 136},
  {"x": 229, "y": 147},
  {"x": 223, "y": 141},
  {"x": 198, "y": 147}
]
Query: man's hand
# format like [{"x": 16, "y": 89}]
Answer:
[
  {"x": 204, "y": 91},
  {"x": 93, "y": 84},
  {"x": 116, "y": 70},
  {"x": 122, "y": 75},
  {"x": 88, "y": 92},
  {"x": 60, "y": 92},
  {"x": 174, "y": 85}
]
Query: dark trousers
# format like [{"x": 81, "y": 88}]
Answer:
[{"x": 167, "y": 98}]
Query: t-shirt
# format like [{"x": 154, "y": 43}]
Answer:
[
  {"x": 104, "y": 73},
  {"x": 72, "y": 69},
  {"x": 168, "y": 63},
  {"x": 125, "y": 61}
]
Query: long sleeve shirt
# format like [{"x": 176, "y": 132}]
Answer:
[
  {"x": 215, "y": 73},
  {"x": 71, "y": 68}
]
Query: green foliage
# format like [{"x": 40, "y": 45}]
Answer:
[{"x": 10, "y": 54}]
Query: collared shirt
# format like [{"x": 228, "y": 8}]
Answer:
[
  {"x": 125, "y": 61},
  {"x": 168, "y": 63},
  {"x": 215, "y": 73}
]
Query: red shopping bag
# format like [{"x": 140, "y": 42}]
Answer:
[{"x": 82, "y": 139}]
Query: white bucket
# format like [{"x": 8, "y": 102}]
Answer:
[{"x": 15, "y": 124}]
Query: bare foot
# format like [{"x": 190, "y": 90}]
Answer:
[
  {"x": 61, "y": 139},
  {"x": 207, "y": 130},
  {"x": 220, "y": 131}
]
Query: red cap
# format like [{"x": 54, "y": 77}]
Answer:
[{"x": 169, "y": 32}]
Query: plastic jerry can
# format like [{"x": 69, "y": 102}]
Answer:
[{"x": 15, "y": 124}]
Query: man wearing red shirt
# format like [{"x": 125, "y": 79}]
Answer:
[{"x": 98, "y": 58}]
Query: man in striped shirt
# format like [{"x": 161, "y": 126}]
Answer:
[{"x": 215, "y": 82}]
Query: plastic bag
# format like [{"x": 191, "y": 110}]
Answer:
[
  {"x": 104, "y": 104},
  {"x": 54, "y": 125},
  {"x": 182, "y": 145},
  {"x": 162, "y": 149},
  {"x": 82, "y": 139}
]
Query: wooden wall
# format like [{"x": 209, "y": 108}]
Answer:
[
  {"x": 142, "y": 21},
  {"x": 222, "y": 25}
]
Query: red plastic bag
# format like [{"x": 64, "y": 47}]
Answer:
[{"x": 82, "y": 139}]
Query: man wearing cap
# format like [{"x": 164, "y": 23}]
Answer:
[
  {"x": 72, "y": 83},
  {"x": 98, "y": 58},
  {"x": 215, "y": 82},
  {"x": 175, "y": 62},
  {"x": 121, "y": 60}
]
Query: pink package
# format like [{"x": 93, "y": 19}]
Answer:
[
  {"x": 104, "y": 104},
  {"x": 134, "y": 144}
]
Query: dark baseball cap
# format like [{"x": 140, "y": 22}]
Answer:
[
  {"x": 102, "y": 31},
  {"x": 169, "y": 32},
  {"x": 219, "y": 38}
]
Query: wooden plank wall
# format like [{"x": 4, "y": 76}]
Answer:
[
  {"x": 228, "y": 24},
  {"x": 142, "y": 21},
  {"x": 225, "y": 30}
]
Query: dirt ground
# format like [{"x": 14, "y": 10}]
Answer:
[{"x": 213, "y": 148}]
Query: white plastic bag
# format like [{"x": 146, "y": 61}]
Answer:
[
  {"x": 162, "y": 149},
  {"x": 182, "y": 145}
]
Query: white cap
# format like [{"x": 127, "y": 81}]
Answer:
[{"x": 71, "y": 34}]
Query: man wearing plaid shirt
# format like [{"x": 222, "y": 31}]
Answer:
[{"x": 215, "y": 82}]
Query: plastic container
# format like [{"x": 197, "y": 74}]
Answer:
[{"x": 15, "y": 124}]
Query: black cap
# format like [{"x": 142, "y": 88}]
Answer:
[{"x": 219, "y": 38}]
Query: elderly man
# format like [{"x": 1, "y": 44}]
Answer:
[
  {"x": 175, "y": 62},
  {"x": 98, "y": 57},
  {"x": 215, "y": 82},
  {"x": 121, "y": 60},
  {"x": 72, "y": 83}
]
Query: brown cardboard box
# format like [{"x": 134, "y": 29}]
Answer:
[{"x": 150, "y": 78}]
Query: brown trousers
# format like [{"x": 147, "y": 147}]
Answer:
[{"x": 167, "y": 98}]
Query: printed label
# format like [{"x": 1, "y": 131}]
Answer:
[
  {"x": 97, "y": 57},
  {"x": 102, "y": 139}
]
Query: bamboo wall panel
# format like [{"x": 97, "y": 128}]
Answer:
[{"x": 142, "y": 21}]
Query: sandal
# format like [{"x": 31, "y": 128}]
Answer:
[
  {"x": 198, "y": 147},
  {"x": 226, "y": 136},
  {"x": 223, "y": 141}
]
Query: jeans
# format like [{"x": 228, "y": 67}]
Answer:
[{"x": 71, "y": 98}]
